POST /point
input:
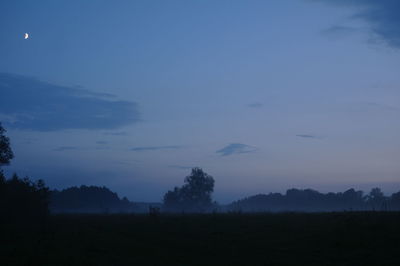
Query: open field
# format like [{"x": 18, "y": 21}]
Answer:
[{"x": 367, "y": 238}]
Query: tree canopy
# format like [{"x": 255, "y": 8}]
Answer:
[
  {"x": 6, "y": 154},
  {"x": 193, "y": 196}
]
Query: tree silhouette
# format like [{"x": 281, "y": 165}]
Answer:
[
  {"x": 193, "y": 196},
  {"x": 22, "y": 201},
  {"x": 376, "y": 199},
  {"x": 395, "y": 201},
  {"x": 6, "y": 153}
]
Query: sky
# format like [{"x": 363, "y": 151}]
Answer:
[{"x": 262, "y": 95}]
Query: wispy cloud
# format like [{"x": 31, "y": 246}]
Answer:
[
  {"x": 66, "y": 148},
  {"x": 380, "y": 106},
  {"x": 340, "y": 31},
  {"x": 181, "y": 167},
  {"x": 236, "y": 148},
  {"x": 255, "y": 105},
  {"x": 375, "y": 107},
  {"x": 306, "y": 136},
  {"x": 156, "y": 148},
  {"x": 33, "y": 104},
  {"x": 122, "y": 133},
  {"x": 383, "y": 17},
  {"x": 102, "y": 142}
]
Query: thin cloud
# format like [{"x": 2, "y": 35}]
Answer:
[
  {"x": 66, "y": 148},
  {"x": 374, "y": 107},
  {"x": 32, "y": 104},
  {"x": 102, "y": 142},
  {"x": 340, "y": 31},
  {"x": 236, "y": 148},
  {"x": 382, "y": 16},
  {"x": 255, "y": 105},
  {"x": 84, "y": 148},
  {"x": 181, "y": 167},
  {"x": 116, "y": 133},
  {"x": 380, "y": 106},
  {"x": 155, "y": 148},
  {"x": 306, "y": 136}
]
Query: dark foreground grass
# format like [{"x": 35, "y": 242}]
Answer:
[{"x": 370, "y": 238}]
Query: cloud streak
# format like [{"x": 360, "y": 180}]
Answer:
[
  {"x": 116, "y": 133},
  {"x": 382, "y": 16},
  {"x": 255, "y": 105},
  {"x": 236, "y": 148},
  {"x": 66, "y": 148},
  {"x": 155, "y": 148},
  {"x": 306, "y": 136},
  {"x": 31, "y": 104},
  {"x": 181, "y": 167},
  {"x": 340, "y": 31}
]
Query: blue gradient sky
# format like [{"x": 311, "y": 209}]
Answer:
[{"x": 263, "y": 95}]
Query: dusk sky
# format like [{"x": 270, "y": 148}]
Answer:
[{"x": 263, "y": 95}]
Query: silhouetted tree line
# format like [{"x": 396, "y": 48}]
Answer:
[
  {"x": 313, "y": 201},
  {"x": 89, "y": 199},
  {"x": 24, "y": 200},
  {"x": 21, "y": 200}
]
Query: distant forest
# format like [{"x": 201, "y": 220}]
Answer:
[
  {"x": 22, "y": 193},
  {"x": 92, "y": 199},
  {"x": 309, "y": 200},
  {"x": 101, "y": 200}
]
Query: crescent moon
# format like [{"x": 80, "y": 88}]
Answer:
[{"x": 26, "y": 36}]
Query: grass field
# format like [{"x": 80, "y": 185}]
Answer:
[{"x": 368, "y": 238}]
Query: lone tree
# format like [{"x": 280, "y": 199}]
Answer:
[
  {"x": 6, "y": 153},
  {"x": 193, "y": 196}
]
